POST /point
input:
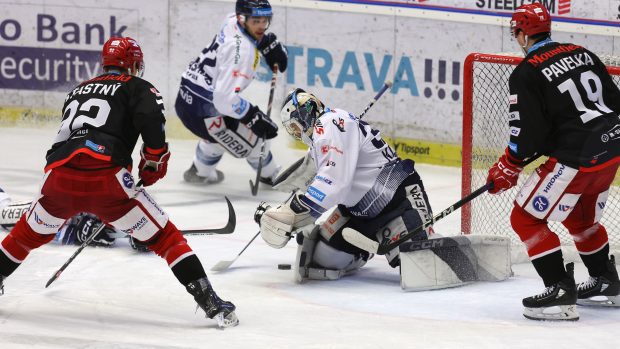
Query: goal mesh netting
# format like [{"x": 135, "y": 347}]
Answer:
[{"x": 485, "y": 136}]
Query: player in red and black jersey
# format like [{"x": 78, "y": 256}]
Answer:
[
  {"x": 88, "y": 170},
  {"x": 564, "y": 105}
]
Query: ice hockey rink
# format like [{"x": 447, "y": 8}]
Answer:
[{"x": 117, "y": 298}]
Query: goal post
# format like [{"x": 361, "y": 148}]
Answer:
[{"x": 486, "y": 135}]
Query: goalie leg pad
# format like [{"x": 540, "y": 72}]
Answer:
[{"x": 454, "y": 261}]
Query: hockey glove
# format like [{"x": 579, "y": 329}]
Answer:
[
  {"x": 277, "y": 223},
  {"x": 153, "y": 164},
  {"x": 273, "y": 51},
  {"x": 81, "y": 227},
  {"x": 138, "y": 245},
  {"x": 504, "y": 173},
  {"x": 261, "y": 124}
]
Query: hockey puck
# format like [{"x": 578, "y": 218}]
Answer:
[{"x": 284, "y": 266}]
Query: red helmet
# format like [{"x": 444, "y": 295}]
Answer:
[
  {"x": 123, "y": 53},
  {"x": 532, "y": 19}
]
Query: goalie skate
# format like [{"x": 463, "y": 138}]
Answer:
[
  {"x": 556, "y": 303},
  {"x": 602, "y": 291}
]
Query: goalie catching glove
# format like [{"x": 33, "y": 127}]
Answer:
[
  {"x": 278, "y": 223},
  {"x": 153, "y": 164},
  {"x": 504, "y": 173}
]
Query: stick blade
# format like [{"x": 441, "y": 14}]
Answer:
[
  {"x": 222, "y": 265},
  {"x": 253, "y": 188},
  {"x": 356, "y": 238}
]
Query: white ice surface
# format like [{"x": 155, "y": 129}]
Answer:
[{"x": 115, "y": 298}]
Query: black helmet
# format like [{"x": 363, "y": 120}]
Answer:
[{"x": 254, "y": 8}]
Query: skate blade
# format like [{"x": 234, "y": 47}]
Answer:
[
  {"x": 555, "y": 313},
  {"x": 229, "y": 320},
  {"x": 600, "y": 301}
]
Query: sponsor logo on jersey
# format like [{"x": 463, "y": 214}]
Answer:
[
  {"x": 611, "y": 135},
  {"x": 564, "y": 208},
  {"x": 326, "y": 148},
  {"x": 339, "y": 124},
  {"x": 240, "y": 107},
  {"x": 514, "y": 147},
  {"x": 137, "y": 226},
  {"x": 553, "y": 179},
  {"x": 540, "y": 203},
  {"x": 96, "y": 147},
  {"x": 538, "y": 59},
  {"x": 128, "y": 180},
  {"x": 315, "y": 193},
  {"x": 221, "y": 37},
  {"x": 515, "y": 131},
  {"x": 323, "y": 179},
  {"x": 330, "y": 163},
  {"x": 318, "y": 127},
  {"x": 601, "y": 205},
  {"x": 237, "y": 74},
  {"x": 513, "y": 99},
  {"x": 40, "y": 221},
  {"x": 514, "y": 116},
  {"x": 237, "y": 48}
]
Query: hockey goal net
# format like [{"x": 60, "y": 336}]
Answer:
[{"x": 485, "y": 136}]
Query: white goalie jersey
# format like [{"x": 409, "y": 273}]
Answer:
[
  {"x": 355, "y": 167},
  {"x": 224, "y": 69}
]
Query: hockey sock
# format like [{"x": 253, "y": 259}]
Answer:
[
  {"x": 18, "y": 244},
  {"x": 188, "y": 270},
  {"x": 172, "y": 246},
  {"x": 550, "y": 268},
  {"x": 596, "y": 262}
]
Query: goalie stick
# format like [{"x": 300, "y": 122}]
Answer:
[
  {"x": 356, "y": 238},
  {"x": 254, "y": 186}
]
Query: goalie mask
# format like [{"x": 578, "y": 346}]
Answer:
[{"x": 299, "y": 113}]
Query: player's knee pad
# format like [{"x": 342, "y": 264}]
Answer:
[
  {"x": 239, "y": 142},
  {"x": 590, "y": 239},
  {"x": 533, "y": 232},
  {"x": 170, "y": 244},
  {"x": 22, "y": 239}
]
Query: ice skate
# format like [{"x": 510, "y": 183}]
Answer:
[
  {"x": 603, "y": 291},
  {"x": 556, "y": 303},
  {"x": 191, "y": 176},
  {"x": 214, "y": 307},
  {"x": 1, "y": 285}
]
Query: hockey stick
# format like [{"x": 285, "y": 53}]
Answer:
[
  {"x": 229, "y": 228},
  {"x": 223, "y": 265},
  {"x": 384, "y": 88},
  {"x": 254, "y": 186},
  {"x": 358, "y": 239},
  {"x": 77, "y": 252}
]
